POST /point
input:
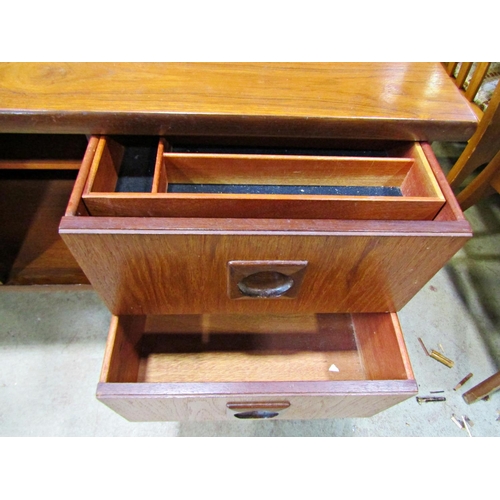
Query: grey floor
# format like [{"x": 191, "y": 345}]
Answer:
[{"x": 52, "y": 343}]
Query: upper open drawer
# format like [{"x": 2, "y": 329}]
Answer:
[
  {"x": 147, "y": 176},
  {"x": 181, "y": 265}
]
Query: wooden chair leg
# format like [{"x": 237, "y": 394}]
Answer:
[
  {"x": 463, "y": 167},
  {"x": 483, "y": 389},
  {"x": 480, "y": 185}
]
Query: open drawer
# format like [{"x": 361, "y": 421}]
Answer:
[
  {"x": 213, "y": 367},
  {"x": 197, "y": 265},
  {"x": 144, "y": 176}
]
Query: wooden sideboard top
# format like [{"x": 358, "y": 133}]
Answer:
[{"x": 404, "y": 101}]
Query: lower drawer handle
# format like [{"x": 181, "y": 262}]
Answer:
[
  {"x": 251, "y": 410},
  {"x": 265, "y": 284},
  {"x": 256, "y": 414}
]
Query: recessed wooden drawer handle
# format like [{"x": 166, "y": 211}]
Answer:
[
  {"x": 265, "y": 284},
  {"x": 256, "y": 414},
  {"x": 265, "y": 279},
  {"x": 258, "y": 410}
]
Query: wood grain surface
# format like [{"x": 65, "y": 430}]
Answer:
[
  {"x": 225, "y": 206},
  {"x": 383, "y": 356},
  {"x": 355, "y": 399},
  {"x": 238, "y": 355},
  {"x": 405, "y": 101},
  {"x": 159, "y": 273},
  {"x": 192, "y": 168}
]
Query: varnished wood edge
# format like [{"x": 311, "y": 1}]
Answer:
[
  {"x": 451, "y": 201},
  {"x": 94, "y": 164},
  {"x": 164, "y": 123},
  {"x": 110, "y": 345},
  {"x": 381, "y": 346},
  {"x": 81, "y": 179},
  {"x": 173, "y": 205},
  {"x": 429, "y": 173},
  {"x": 306, "y": 227},
  {"x": 160, "y": 178},
  {"x": 49, "y": 288},
  {"x": 121, "y": 358},
  {"x": 40, "y": 164},
  {"x": 256, "y": 389},
  {"x": 402, "y": 346},
  {"x": 390, "y": 200},
  {"x": 292, "y": 159},
  {"x": 265, "y": 405}
]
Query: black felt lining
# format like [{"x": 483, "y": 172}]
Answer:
[
  {"x": 277, "y": 151},
  {"x": 138, "y": 165},
  {"x": 287, "y": 190}
]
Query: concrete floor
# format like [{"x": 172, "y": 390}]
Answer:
[{"x": 52, "y": 344}]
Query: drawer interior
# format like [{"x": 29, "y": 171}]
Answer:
[
  {"x": 149, "y": 176},
  {"x": 252, "y": 348},
  {"x": 37, "y": 175}
]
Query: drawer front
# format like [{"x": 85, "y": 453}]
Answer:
[
  {"x": 219, "y": 367},
  {"x": 157, "y": 408},
  {"x": 161, "y": 272}
]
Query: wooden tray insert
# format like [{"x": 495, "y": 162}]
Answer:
[
  {"x": 229, "y": 185},
  {"x": 217, "y": 348}
]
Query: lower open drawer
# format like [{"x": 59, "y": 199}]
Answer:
[{"x": 214, "y": 367}]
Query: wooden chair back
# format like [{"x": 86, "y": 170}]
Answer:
[
  {"x": 484, "y": 146},
  {"x": 469, "y": 79}
]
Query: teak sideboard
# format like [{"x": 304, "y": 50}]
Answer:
[{"x": 253, "y": 228}]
